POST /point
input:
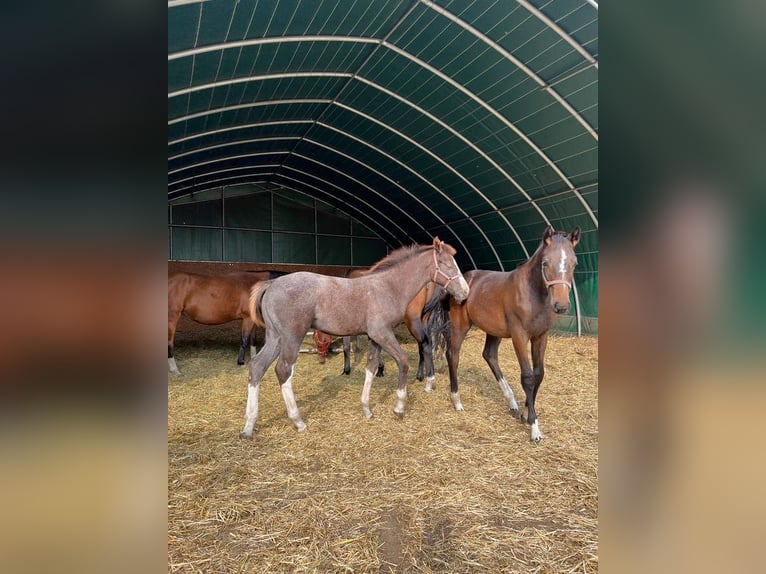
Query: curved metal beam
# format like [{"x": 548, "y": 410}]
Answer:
[
  {"x": 271, "y": 40},
  {"x": 249, "y": 105},
  {"x": 556, "y": 28},
  {"x": 227, "y": 144},
  {"x": 281, "y": 76},
  {"x": 438, "y": 73},
  {"x": 519, "y": 64},
  {"x": 184, "y": 168},
  {"x": 239, "y": 127}
]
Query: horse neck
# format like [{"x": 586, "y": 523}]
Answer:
[
  {"x": 410, "y": 276},
  {"x": 534, "y": 270}
]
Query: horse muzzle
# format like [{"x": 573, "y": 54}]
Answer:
[
  {"x": 459, "y": 289},
  {"x": 559, "y": 308}
]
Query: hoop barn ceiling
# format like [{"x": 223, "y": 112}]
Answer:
[{"x": 474, "y": 121}]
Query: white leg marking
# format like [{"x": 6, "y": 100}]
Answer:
[
  {"x": 508, "y": 392},
  {"x": 251, "y": 411},
  {"x": 172, "y": 365},
  {"x": 537, "y": 436},
  {"x": 455, "y": 397},
  {"x": 430, "y": 384},
  {"x": 368, "y": 375},
  {"x": 292, "y": 407},
  {"x": 401, "y": 395}
]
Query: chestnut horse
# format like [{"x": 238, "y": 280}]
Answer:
[
  {"x": 413, "y": 318},
  {"x": 213, "y": 300},
  {"x": 520, "y": 304},
  {"x": 374, "y": 304}
]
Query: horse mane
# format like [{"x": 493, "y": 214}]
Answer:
[{"x": 398, "y": 256}]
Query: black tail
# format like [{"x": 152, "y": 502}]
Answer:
[{"x": 437, "y": 324}]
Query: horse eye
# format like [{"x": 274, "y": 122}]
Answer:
[{"x": 545, "y": 264}]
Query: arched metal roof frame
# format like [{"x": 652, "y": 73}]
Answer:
[
  {"x": 367, "y": 144},
  {"x": 440, "y": 160},
  {"x": 408, "y": 56},
  {"x": 414, "y": 106},
  {"x": 366, "y": 166},
  {"x": 583, "y": 182}
]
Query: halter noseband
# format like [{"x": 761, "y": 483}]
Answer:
[
  {"x": 438, "y": 271},
  {"x": 555, "y": 281}
]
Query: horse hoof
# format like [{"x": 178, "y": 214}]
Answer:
[
  {"x": 245, "y": 435},
  {"x": 367, "y": 413},
  {"x": 537, "y": 439},
  {"x": 346, "y": 372},
  {"x": 399, "y": 415},
  {"x": 241, "y": 363},
  {"x": 301, "y": 426},
  {"x": 379, "y": 373},
  {"x": 515, "y": 413},
  {"x": 419, "y": 377}
]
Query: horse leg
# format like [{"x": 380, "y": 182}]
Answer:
[
  {"x": 253, "y": 348},
  {"x": 173, "y": 316},
  {"x": 528, "y": 379},
  {"x": 491, "y": 346},
  {"x": 373, "y": 359},
  {"x": 247, "y": 328},
  {"x": 538, "y": 354},
  {"x": 346, "y": 355},
  {"x": 258, "y": 366},
  {"x": 285, "y": 370},
  {"x": 387, "y": 341},
  {"x": 459, "y": 326}
]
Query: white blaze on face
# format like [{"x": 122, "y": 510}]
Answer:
[{"x": 563, "y": 262}]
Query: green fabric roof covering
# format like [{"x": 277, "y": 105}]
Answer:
[{"x": 474, "y": 121}]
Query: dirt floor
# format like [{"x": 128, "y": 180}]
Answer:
[{"x": 439, "y": 491}]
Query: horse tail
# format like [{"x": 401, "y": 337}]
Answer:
[
  {"x": 256, "y": 295},
  {"x": 438, "y": 324}
]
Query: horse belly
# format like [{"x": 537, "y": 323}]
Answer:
[{"x": 213, "y": 308}]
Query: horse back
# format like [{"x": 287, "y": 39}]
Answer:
[{"x": 500, "y": 302}]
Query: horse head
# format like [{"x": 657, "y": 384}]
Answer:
[
  {"x": 557, "y": 262},
  {"x": 447, "y": 273}
]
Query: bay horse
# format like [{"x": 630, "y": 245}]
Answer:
[
  {"x": 373, "y": 304},
  {"x": 413, "y": 318},
  {"x": 213, "y": 300},
  {"x": 520, "y": 304}
]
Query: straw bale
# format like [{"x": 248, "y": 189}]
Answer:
[{"x": 439, "y": 491}]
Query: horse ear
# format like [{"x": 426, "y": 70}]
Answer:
[
  {"x": 437, "y": 244},
  {"x": 547, "y": 234},
  {"x": 574, "y": 236}
]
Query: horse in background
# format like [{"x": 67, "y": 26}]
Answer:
[
  {"x": 373, "y": 304},
  {"x": 213, "y": 300},
  {"x": 520, "y": 304}
]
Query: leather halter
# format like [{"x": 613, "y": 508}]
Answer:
[
  {"x": 555, "y": 281},
  {"x": 438, "y": 271}
]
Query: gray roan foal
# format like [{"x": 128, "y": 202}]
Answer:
[{"x": 374, "y": 305}]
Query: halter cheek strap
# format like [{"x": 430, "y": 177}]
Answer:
[{"x": 438, "y": 271}]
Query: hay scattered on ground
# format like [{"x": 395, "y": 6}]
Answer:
[{"x": 440, "y": 491}]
